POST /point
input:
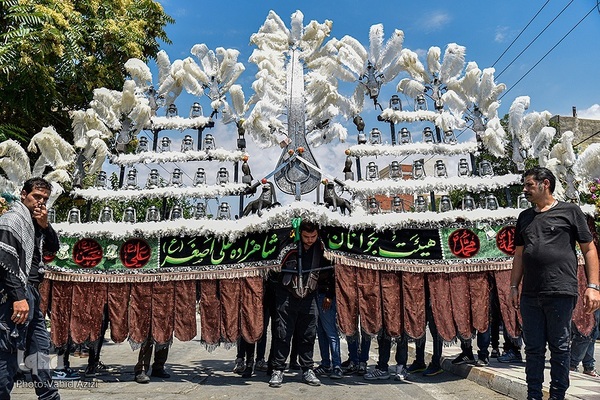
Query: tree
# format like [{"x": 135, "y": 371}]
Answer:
[{"x": 54, "y": 53}]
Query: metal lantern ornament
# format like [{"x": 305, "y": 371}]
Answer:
[
  {"x": 106, "y": 215},
  {"x": 428, "y": 135},
  {"x": 196, "y": 110},
  {"x": 165, "y": 144},
  {"x": 449, "y": 137},
  {"x": 404, "y": 136},
  {"x": 142, "y": 145},
  {"x": 485, "y": 169},
  {"x": 374, "y": 207},
  {"x": 172, "y": 111},
  {"x": 224, "y": 211},
  {"x": 395, "y": 103},
  {"x": 420, "y": 103},
  {"x": 398, "y": 204},
  {"x": 187, "y": 143},
  {"x": 362, "y": 138},
  {"x": 222, "y": 176},
  {"x": 522, "y": 201},
  {"x": 101, "y": 180},
  {"x": 491, "y": 202},
  {"x": 74, "y": 216},
  {"x": 51, "y": 215},
  {"x": 152, "y": 214},
  {"x": 129, "y": 215},
  {"x": 463, "y": 168},
  {"x": 176, "y": 212},
  {"x": 372, "y": 171},
  {"x": 153, "y": 180},
  {"x": 209, "y": 142},
  {"x": 200, "y": 177},
  {"x": 468, "y": 202},
  {"x": 375, "y": 136},
  {"x": 176, "y": 178},
  {"x": 395, "y": 170},
  {"x": 440, "y": 169},
  {"x": 420, "y": 204},
  {"x": 445, "y": 203},
  {"x": 418, "y": 169},
  {"x": 200, "y": 211},
  {"x": 131, "y": 182}
]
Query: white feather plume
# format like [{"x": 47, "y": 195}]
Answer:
[
  {"x": 411, "y": 63},
  {"x": 139, "y": 72},
  {"x": 542, "y": 141},
  {"x": 14, "y": 162},
  {"x": 453, "y": 63},
  {"x": 54, "y": 151},
  {"x": 493, "y": 138},
  {"x": 516, "y": 114},
  {"x": 375, "y": 43},
  {"x": 433, "y": 60},
  {"x": 587, "y": 166},
  {"x": 410, "y": 87}
]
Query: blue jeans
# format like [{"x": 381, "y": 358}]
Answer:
[
  {"x": 547, "y": 320},
  {"x": 327, "y": 333},
  {"x": 582, "y": 347},
  {"x": 37, "y": 347},
  {"x": 483, "y": 344},
  {"x": 358, "y": 354}
]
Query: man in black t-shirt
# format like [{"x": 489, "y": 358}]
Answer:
[{"x": 546, "y": 260}]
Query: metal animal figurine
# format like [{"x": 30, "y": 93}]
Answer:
[
  {"x": 266, "y": 200},
  {"x": 331, "y": 198}
]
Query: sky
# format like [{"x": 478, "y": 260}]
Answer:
[{"x": 558, "y": 70}]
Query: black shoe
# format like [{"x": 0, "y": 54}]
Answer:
[
  {"x": 142, "y": 378},
  {"x": 160, "y": 373},
  {"x": 464, "y": 358},
  {"x": 248, "y": 371}
]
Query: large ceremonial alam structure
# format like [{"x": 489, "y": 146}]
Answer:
[{"x": 168, "y": 219}]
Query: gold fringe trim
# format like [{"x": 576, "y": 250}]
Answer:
[
  {"x": 419, "y": 266},
  {"x": 160, "y": 277}
]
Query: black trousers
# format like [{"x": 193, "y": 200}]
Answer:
[
  {"x": 294, "y": 318},
  {"x": 160, "y": 357}
]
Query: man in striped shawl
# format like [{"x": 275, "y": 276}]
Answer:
[{"x": 24, "y": 233}]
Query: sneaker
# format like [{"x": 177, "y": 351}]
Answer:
[
  {"x": 96, "y": 369},
  {"x": 346, "y": 364},
  {"x": 351, "y": 368},
  {"x": 276, "y": 379},
  {"x": 464, "y": 358},
  {"x": 142, "y": 378},
  {"x": 321, "y": 370},
  {"x": 482, "y": 362},
  {"x": 240, "y": 366},
  {"x": 495, "y": 353},
  {"x": 510, "y": 356},
  {"x": 401, "y": 373},
  {"x": 337, "y": 373},
  {"x": 591, "y": 372},
  {"x": 362, "y": 368},
  {"x": 261, "y": 365},
  {"x": 416, "y": 367},
  {"x": 432, "y": 370},
  {"x": 377, "y": 374},
  {"x": 65, "y": 374},
  {"x": 310, "y": 378},
  {"x": 248, "y": 371}
]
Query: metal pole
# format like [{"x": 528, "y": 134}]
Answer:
[
  {"x": 432, "y": 201},
  {"x": 393, "y": 132}
]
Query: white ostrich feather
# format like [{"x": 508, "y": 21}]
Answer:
[
  {"x": 375, "y": 43},
  {"x": 54, "y": 151},
  {"x": 238, "y": 100},
  {"x": 389, "y": 59},
  {"x": 231, "y": 77},
  {"x": 516, "y": 114},
  {"x": 453, "y": 63},
  {"x": 542, "y": 141},
  {"x": 469, "y": 84},
  {"x": 489, "y": 91},
  {"x": 164, "y": 65},
  {"x": 559, "y": 172},
  {"x": 227, "y": 59},
  {"x": 455, "y": 104},
  {"x": 433, "y": 60},
  {"x": 410, "y": 87},
  {"x": 410, "y": 62},
  {"x": 106, "y": 104},
  {"x": 297, "y": 24},
  {"x": 313, "y": 38},
  {"x": 273, "y": 33},
  {"x": 319, "y": 137},
  {"x": 194, "y": 70},
  {"x": 533, "y": 124},
  {"x": 128, "y": 100},
  {"x": 563, "y": 150},
  {"x": 493, "y": 138},
  {"x": 492, "y": 110},
  {"x": 14, "y": 162},
  {"x": 587, "y": 166},
  {"x": 353, "y": 55},
  {"x": 543, "y": 158},
  {"x": 139, "y": 72}
]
